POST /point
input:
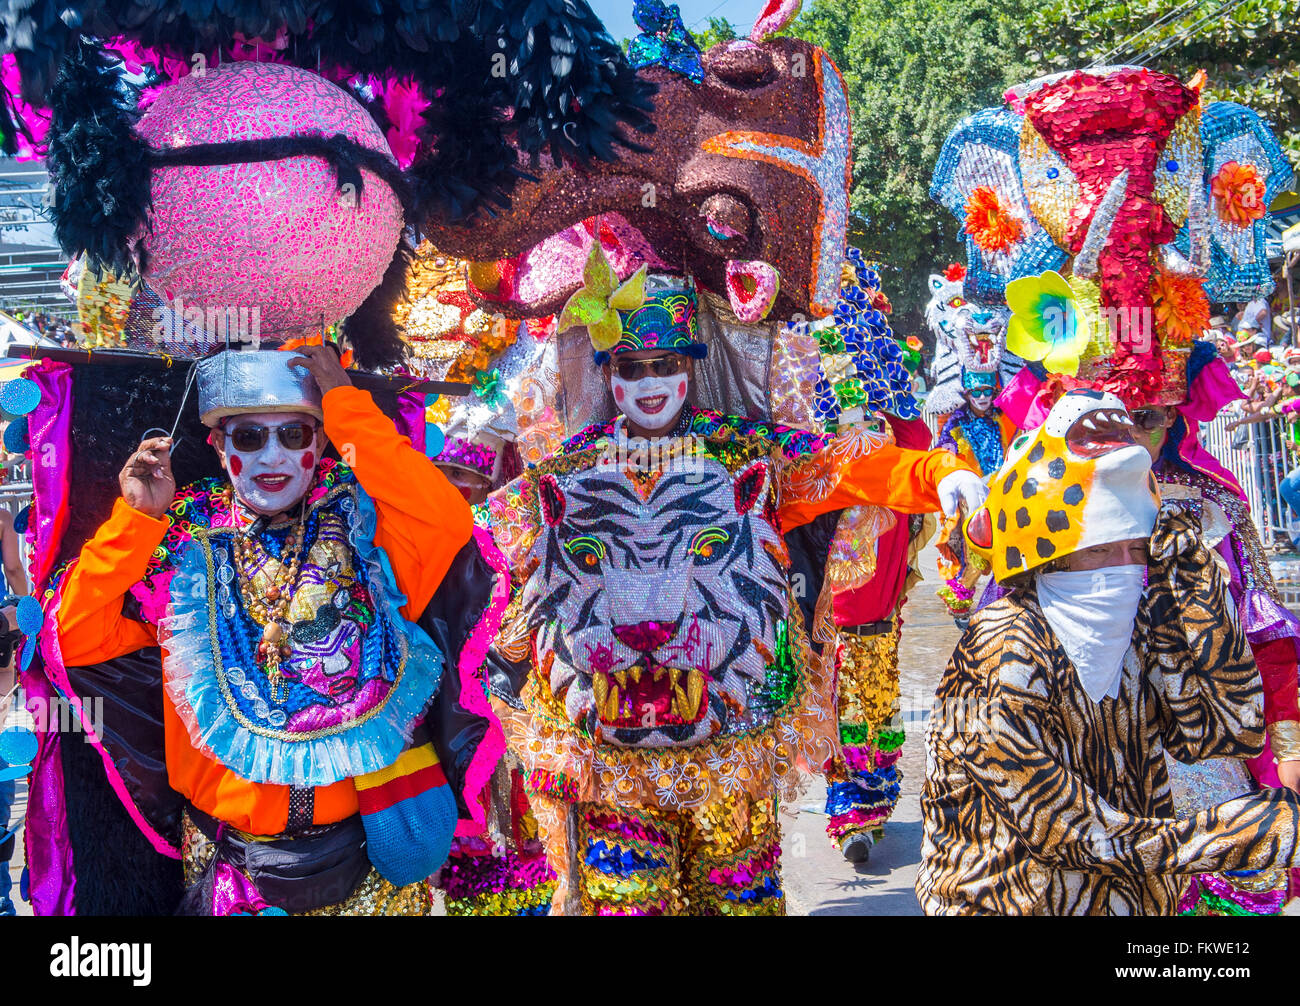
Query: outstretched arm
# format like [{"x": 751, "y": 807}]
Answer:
[{"x": 854, "y": 471}]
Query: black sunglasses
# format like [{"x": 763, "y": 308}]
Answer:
[
  {"x": 660, "y": 366},
  {"x": 1149, "y": 419},
  {"x": 292, "y": 436}
]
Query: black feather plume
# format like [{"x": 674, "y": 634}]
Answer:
[
  {"x": 99, "y": 165},
  {"x": 371, "y": 328}
]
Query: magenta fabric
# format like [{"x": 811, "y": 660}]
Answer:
[
  {"x": 233, "y": 893},
  {"x": 473, "y": 692},
  {"x": 52, "y": 882},
  {"x": 49, "y": 430},
  {"x": 410, "y": 417},
  {"x": 1021, "y": 401},
  {"x": 1210, "y": 392}
]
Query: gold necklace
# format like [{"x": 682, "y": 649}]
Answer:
[{"x": 272, "y": 607}]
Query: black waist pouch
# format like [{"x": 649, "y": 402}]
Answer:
[{"x": 299, "y": 874}]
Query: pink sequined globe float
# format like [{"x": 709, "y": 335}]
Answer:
[{"x": 275, "y": 235}]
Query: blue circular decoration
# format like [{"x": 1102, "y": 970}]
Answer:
[
  {"x": 434, "y": 439},
  {"x": 1171, "y": 165},
  {"x": 431, "y": 400},
  {"x": 19, "y": 396},
  {"x": 1053, "y": 172},
  {"x": 17, "y": 747},
  {"x": 15, "y": 438},
  {"x": 30, "y": 616},
  {"x": 21, "y": 518}
]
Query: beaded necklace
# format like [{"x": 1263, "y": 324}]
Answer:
[{"x": 270, "y": 609}]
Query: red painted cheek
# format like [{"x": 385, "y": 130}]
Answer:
[
  {"x": 236, "y": 466},
  {"x": 618, "y": 394},
  {"x": 681, "y": 389},
  {"x": 308, "y": 460}
]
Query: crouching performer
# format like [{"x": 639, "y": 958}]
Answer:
[
  {"x": 669, "y": 686},
  {"x": 296, "y": 681},
  {"x": 1046, "y": 788}
]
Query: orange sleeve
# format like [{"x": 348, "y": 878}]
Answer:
[
  {"x": 888, "y": 476},
  {"x": 92, "y": 627},
  {"x": 423, "y": 519}
]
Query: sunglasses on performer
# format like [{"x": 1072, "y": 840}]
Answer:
[
  {"x": 292, "y": 436},
  {"x": 1149, "y": 419},
  {"x": 659, "y": 366}
]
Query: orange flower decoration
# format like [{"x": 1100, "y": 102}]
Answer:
[
  {"x": 1238, "y": 194},
  {"x": 1180, "y": 306},
  {"x": 991, "y": 224}
]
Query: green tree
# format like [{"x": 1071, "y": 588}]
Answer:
[
  {"x": 1251, "y": 51},
  {"x": 913, "y": 69},
  {"x": 719, "y": 30}
]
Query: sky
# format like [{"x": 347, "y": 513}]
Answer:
[{"x": 617, "y": 14}]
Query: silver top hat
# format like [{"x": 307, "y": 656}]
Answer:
[{"x": 236, "y": 382}]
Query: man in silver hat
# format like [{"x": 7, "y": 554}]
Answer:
[{"x": 285, "y": 598}]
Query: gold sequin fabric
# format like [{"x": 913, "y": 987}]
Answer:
[
  {"x": 868, "y": 680},
  {"x": 373, "y": 896},
  {"x": 720, "y": 859}
]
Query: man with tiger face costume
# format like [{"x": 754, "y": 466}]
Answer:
[
  {"x": 1046, "y": 787},
  {"x": 662, "y": 664}
]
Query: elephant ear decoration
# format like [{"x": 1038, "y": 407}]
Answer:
[
  {"x": 1071, "y": 199},
  {"x": 1245, "y": 169},
  {"x": 978, "y": 179}
]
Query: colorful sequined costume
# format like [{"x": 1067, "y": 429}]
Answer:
[
  {"x": 873, "y": 565},
  {"x": 981, "y": 441},
  {"x": 1186, "y": 471},
  {"x": 351, "y": 791},
  {"x": 678, "y": 663}
]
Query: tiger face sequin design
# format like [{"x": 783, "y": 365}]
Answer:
[{"x": 1077, "y": 481}]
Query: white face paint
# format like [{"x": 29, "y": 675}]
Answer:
[
  {"x": 273, "y": 479},
  {"x": 653, "y": 403}
]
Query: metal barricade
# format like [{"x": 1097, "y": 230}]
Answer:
[{"x": 1258, "y": 457}]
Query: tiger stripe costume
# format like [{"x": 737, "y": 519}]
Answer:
[{"x": 1038, "y": 801}]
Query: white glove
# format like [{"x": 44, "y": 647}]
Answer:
[{"x": 961, "y": 488}]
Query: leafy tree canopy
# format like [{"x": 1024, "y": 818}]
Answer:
[
  {"x": 913, "y": 69},
  {"x": 1250, "y": 49}
]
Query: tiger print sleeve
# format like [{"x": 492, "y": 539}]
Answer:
[
  {"x": 1212, "y": 697},
  {"x": 1017, "y": 757}
]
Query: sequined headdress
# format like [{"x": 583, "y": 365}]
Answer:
[
  {"x": 646, "y": 311},
  {"x": 477, "y": 437}
]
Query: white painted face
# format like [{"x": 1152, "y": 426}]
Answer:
[
  {"x": 653, "y": 403},
  {"x": 273, "y": 478}
]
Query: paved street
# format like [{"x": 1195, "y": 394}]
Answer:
[{"x": 818, "y": 880}]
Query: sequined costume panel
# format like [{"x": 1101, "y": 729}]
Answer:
[
  {"x": 721, "y": 859},
  {"x": 864, "y": 782}
]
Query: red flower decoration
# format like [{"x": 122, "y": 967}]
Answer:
[
  {"x": 1238, "y": 194},
  {"x": 955, "y": 272},
  {"x": 991, "y": 224}
]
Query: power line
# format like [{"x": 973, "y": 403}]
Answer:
[
  {"x": 1162, "y": 47},
  {"x": 1126, "y": 43}
]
